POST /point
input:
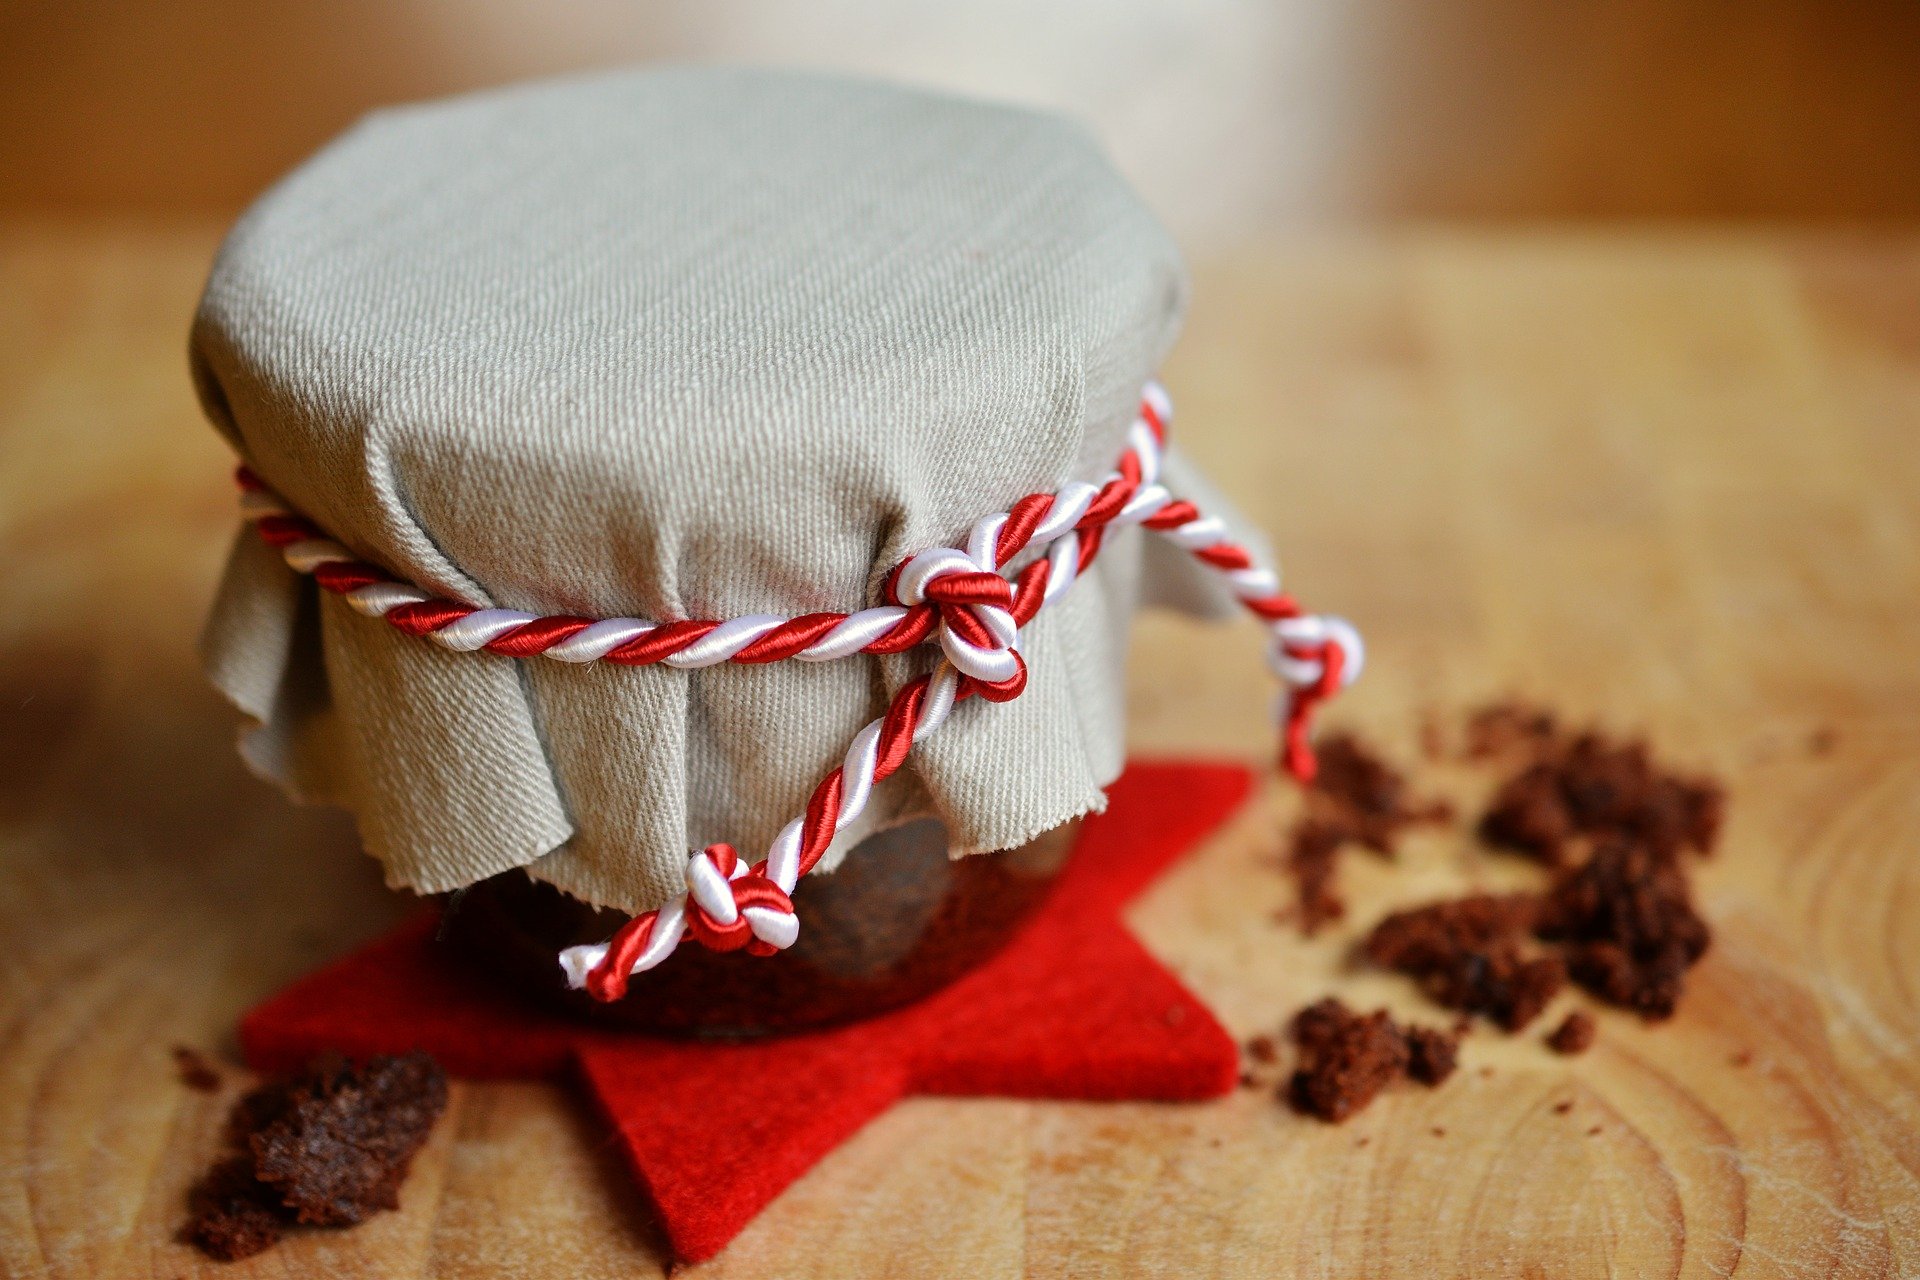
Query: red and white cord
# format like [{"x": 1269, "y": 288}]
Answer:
[{"x": 972, "y": 603}]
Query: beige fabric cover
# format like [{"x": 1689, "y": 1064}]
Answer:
[{"x": 683, "y": 343}]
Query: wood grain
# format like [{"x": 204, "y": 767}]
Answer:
[{"x": 1667, "y": 480}]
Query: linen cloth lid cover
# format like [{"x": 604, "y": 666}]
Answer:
[{"x": 675, "y": 344}]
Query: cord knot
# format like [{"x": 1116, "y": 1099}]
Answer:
[
  {"x": 732, "y": 905},
  {"x": 974, "y": 604}
]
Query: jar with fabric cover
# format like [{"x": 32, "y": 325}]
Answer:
[{"x": 621, "y": 449}]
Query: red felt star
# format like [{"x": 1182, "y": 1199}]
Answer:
[{"x": 1072, "y": 1008}]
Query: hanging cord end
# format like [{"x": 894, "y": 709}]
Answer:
[
  {"x": 1296, "y": 751},
  {"x": 1317, "y": 655}
]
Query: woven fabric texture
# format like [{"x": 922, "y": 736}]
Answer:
[{"x": 673, "y": 344}]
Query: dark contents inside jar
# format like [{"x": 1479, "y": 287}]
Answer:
[{"x": 896, "y": 920}]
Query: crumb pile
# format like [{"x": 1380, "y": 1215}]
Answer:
[
  {"x": 1472, "y": 954},
  {"x": 1347, "y": 1058},
  {"x": 1592, "y": 787},
  {"x": 1356, "y": 798},
  {"x": 1611, "y": 825},
  {"x": 327, "y": 1147},
  {"x": 1626, "y": 919},
  {"x": 1503, "y": 729}
]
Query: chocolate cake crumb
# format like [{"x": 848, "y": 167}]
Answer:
[
  {"x": 1528, "y": 815},
  {"x": 233, "y": 1214},
  {"x": 1356, "y": 798},
  {"x": 1311, "y": 854},
  {"x": 341, "y": 1148},
  {"x": 1611, "y": 823},
  {"x": 1573, "y": 1035},
  {"x": 1365, "y": 796},
  {"x": 327, "y": 1147},
  {"x": 1432, "y": 1055},
  {"x": 1502, "y": 729},
  {"x": 1346, "y": 1059},
  {"x": 1627, "y": 921},
  {"x": 1263, "y": 1050},
  {"x": 1466, "y": 954},
  {"x": 195, "y": 1071},
  {"x": 1595, "y": 786}
]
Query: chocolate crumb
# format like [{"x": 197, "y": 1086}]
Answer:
[
  {"x": 233, "y": 1215},
  {"x": 1312, "y": 852},
  {"x": 1822, "y": 741},
  {"x": 1356, "y": 798},
  {"x": 1744, "y": 1058},
  {"x": 340, "y": 1150},
  {"x": 1528, "y": 815},
  {"x": 1439, "y": 1132},
  {"x": 1366, "y": 796},
  {"x": 1370, "y": 793},
  {"x": 1627, "y": 921},
  {"x": 1507, "y": 728},
  {"x": 1262, "y": 1049},
  {"x": 195, "y": 1071},
  {"x": 328, "y": 1147},
  {"x": 1594, "y": 1132},
  {"x": 1466, "y": 954},
  {"x": 1346, "y": 1059},
  {"x": 1594, "y": 786},
  {"x": 1573, "y": 1035},
  {"x": 1611, "y": 823},
  {"x": 1432, "y": 1055}
]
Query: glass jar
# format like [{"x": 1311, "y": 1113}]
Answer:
[{"x": 896, "y": 920}]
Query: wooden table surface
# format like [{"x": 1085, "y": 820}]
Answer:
[{"x": 1670, "y": 480}]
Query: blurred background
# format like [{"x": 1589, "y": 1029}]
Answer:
[{"x": 1232, "y": 115}]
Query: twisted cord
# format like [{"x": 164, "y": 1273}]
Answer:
[{"x": 962, "y": 599}]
